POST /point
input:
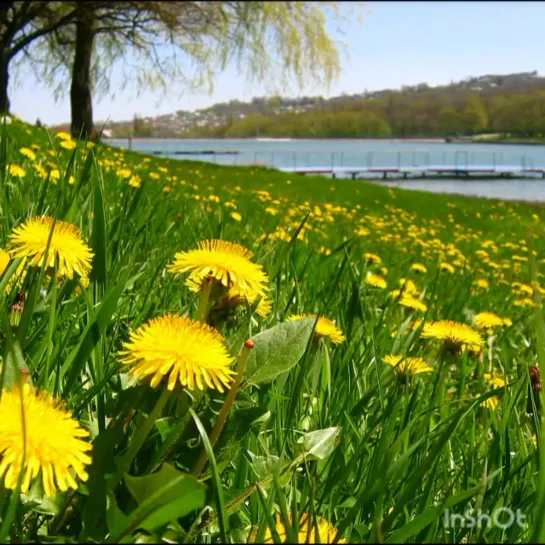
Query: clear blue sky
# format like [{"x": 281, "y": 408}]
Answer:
[{"x": 399, "y": 43}]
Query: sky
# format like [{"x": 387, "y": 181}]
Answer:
[{"x": 395, "y": 44}]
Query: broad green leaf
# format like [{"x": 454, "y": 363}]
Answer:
[
  {"x": 266, "y": 466},
  {"x": 166, "y": 495},
  {"x": 319, "y": 444},
  {"x": 278, "y": 350},
  {"x": 15, "y": 363}
]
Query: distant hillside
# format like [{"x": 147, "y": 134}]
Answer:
[{"x": 511, "y": 104}]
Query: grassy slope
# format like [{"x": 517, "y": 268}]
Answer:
[{"x": 406, "y": 450}]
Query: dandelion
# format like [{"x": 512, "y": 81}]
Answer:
[
  {"x": 408, "y": 286},
  {"x": 4, "y": 261},
  {"x": 455, "y": 335},
  {"x": 492, "y": 402},
  {"x": 135, "y": 181},
  {"x": 67, "y": 144},
  {"x": 324, "y": 328},
  {"x": 412, "y": 302},
  {"x": 373, "y": 258},
  {"x": 51, "y": 442},
  {"x": 446, "y": 267},
  {"x": 489, "y": 320},
  {"x": 524, "y": 302},
  {"x": 419, "y": 268},
  {"x": 326, "y": 533},
  {"x": 180, "y": 348},
  {"x": 124, "y": 173},
  {"x": 64, "y": 135},
  {"x": 27, "y": 152},
  {"x": 226, "y": 262},
  {"x": 495, "y": 379},
  {"x": 482, "y": 283},
  {"x": 236, "y": 216},
  {"x": 404, "y": 365},
  {"x": 16, "y": 170},
  {"x": 30, "y": 241},
  {"x": 376, "y": 281}
]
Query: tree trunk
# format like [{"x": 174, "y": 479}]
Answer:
[
  {"x": 4, "y": 80},
  {"x": 80, "y": 90}
]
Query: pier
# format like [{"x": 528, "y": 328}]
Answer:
[{"x": 502, "y": 171}]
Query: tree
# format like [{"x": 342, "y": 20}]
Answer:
[
  {"x": 21, "y": 24},
  {"x": 274, "y": 40}
]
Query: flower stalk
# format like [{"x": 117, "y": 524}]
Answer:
[
  {"x": 226, "y": 408},
  {"x": 142, "y": 432}
]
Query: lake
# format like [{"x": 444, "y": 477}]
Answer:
[{"x": 285, "y": 153}]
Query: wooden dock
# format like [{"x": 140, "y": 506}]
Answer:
[{"x": 457, "y": 171}]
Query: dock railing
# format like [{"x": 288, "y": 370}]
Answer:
[{"x": 299, "y": 158}]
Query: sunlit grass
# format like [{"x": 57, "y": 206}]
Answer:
[{"x": 318, "y": 429}]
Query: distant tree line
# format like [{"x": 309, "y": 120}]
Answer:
[{"x": 400, "y": 114}]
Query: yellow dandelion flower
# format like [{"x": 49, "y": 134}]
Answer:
[
  {"x": 64, "y": 135},
  {"x": 40, "y": 170},
  {"x": 185, "y": 350},
  {"x": 408, "y": 286},
  {"x": 412, "y": 366},
  {"x": 30, "y": 241},
  {"x": 17, "y": 278},
  {"x": 54, "y": 175},
  {"x": 525, "y": 302},
  {"x": 492, "y": 402},
  {"x": 51, "y": 438},
  {"x": 418, "y": 267},
  {"x": 412, "y": 302},
  {"x": 67, "y": 144},
  {"x": 454, "y": 335},
  {"x": 236, "y": 216},
  {"x": 375, "y": 280},
  {"x": 307, "y": 531},
  {"x": 324, "y": 328},
  {"x": 4, "y": 261},
  {"x": 446, "y": 267},
  {"x": 124, "y": 173},
  {"x": 373, "y": 258},
  {"x": 264, "y": 307},
  {"x": 16, "y": 170},
  {"x": 489, "y": 320},
  {"x": 496, "y": 379},
  {"x": 27, "y": 152},
  {"x": 226, "y": 262},
  {"x": 482, "y": 283},
  {"x": 135, "y": 181}
]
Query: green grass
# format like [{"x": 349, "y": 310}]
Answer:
[{"x": 336, "y": 433}]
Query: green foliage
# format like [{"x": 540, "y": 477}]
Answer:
[
  {"x": 278, "y": 349},
  {"x": 319, "y": 429},
  {"x": 400, "y": 114}
]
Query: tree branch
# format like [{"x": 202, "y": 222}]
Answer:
[{"x": 38, "y": 33}]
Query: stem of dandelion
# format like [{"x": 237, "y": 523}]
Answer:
[
  {"x": 142, "y": 432},
  {"x": 177, "y": 433},
  {"x": 226, "y": 408},
  {"x": 202, "y": 312}
]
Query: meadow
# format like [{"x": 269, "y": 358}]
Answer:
[{"x": 358, "y": 365}]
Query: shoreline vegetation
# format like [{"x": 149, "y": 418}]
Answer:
[{"x": 452, "y": 140}]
